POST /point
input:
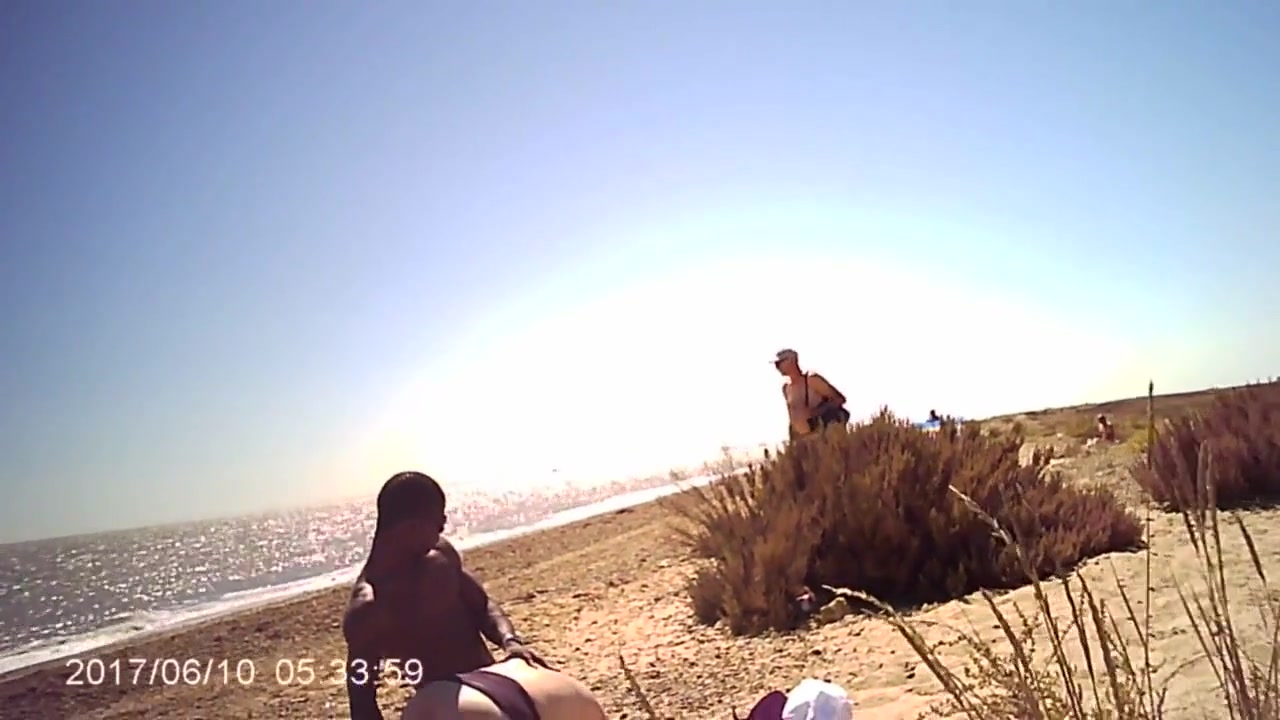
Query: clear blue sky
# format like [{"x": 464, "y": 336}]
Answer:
[{"x": 261, "y": 254}]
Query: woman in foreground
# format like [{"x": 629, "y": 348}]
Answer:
[{"x": 512, "y": 689}]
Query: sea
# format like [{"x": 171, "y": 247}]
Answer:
[{"x": 69, "y": 595}]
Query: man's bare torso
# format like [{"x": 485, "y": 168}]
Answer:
[{"x": 421, "y": 612}]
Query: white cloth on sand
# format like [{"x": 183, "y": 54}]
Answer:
[{"x": 817, "y": 700}]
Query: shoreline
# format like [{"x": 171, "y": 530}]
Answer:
[
  {"x": 289, "y": 630},
  {"x": 144, "y": 636},
  {"x": 329, "y": 581}
]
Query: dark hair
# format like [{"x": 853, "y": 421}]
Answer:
[{"x": 407, "y": 495}]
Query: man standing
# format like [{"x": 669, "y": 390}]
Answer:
[{"x": 812, "y": 402}]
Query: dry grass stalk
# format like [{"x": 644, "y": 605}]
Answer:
[
  {"x": 1010, "y": 687},
  {"x": 641, "y": 696}
]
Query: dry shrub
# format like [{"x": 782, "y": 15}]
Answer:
[
  {"x": 1241, "y": 426},
  {"x": 1120, "y": 678},
  {"x": 872, "y": 507},
  {"x": 1128, "y": 416},
  {"x": 1137, "y": 443},
  {"x": 1082, "y": 426}
]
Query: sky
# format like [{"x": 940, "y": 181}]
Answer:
[{"x": 259, "y": 255}]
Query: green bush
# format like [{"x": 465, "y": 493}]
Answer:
[
  {"x": 872, "y": 508},
  {"x": 1238, "y": 433}
]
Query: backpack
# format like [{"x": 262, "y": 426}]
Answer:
[{"x": 829, "y": 414}]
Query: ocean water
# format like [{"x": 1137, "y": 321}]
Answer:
[{"x": 68, "y": 595}]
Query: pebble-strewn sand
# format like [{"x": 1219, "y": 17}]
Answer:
[{"x": 611, "y": 586}]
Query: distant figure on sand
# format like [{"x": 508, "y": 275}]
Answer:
[
  {"x": 416, "y": 614},
  {"x": 1106, "y": 431},
  {"x": 812, "y": 402}
]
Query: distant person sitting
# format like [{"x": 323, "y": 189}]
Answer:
[
  {"x": 1106, "y": 431},
  {"x": 812, "y": 402},
  {"x": 415, "y": 605}
]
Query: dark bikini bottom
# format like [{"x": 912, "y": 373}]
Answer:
[{"x": 506, "y": 693}]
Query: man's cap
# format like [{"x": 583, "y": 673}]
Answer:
[{"x": 785, "y": 355}]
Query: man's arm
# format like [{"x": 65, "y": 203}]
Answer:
[
  {"x": 362, "y": 658},
  {"x": 362, "y": 690},
  {"x": 359, "y": 619},
  {"x": 493, "y": 623},
  {"x": 791, "y": 418}
]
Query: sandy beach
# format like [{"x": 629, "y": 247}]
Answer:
[{"x": 586, "y": 594}]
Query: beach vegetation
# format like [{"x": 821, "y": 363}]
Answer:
[
  {"x": 1100, "y": 660},
  {"x": 1084, "y": 651},
  {"x": 876, "y": 507},
  {"x": 1240, "y": 430}
]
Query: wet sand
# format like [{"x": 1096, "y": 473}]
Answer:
[{"x": 587, "y": 594}]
